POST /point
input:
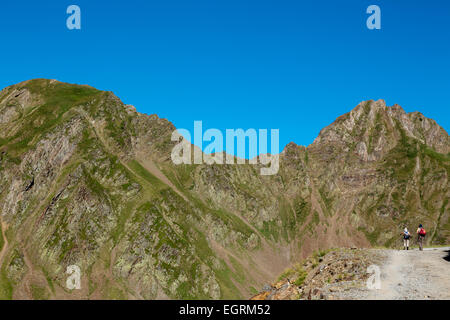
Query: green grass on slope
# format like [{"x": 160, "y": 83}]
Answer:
[
  {"x": 143, "y": 173},
  {"x": 438, "y": 237},
  {"x": 39, "y": 293},
  {"x": 2, "y": 241},
  {"x": 58, "y": 99},
  {"x": 436, "y": 155},
  {"x": 231, "y": 220},
  {"x": 6, "y": 287}
]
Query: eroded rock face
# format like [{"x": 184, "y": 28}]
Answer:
[{"x": 88, "y": 181}]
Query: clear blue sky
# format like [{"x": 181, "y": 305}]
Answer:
[{"x": 289, "y": 65}]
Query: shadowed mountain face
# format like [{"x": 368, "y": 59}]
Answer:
[{"x": 88, "y": 181}]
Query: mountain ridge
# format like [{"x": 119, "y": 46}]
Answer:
[{"x": 377, "y": 103}]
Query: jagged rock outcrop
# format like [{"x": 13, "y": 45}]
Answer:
[
  {"x": 88, "y": 181},
  {"x": 326, "y": 275}
]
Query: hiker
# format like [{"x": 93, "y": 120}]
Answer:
[
  {"x": 420, "y": 236},
  {"x": 406, "y": 235}
]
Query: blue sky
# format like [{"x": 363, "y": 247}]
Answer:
[{"x": 289, "y": 65}]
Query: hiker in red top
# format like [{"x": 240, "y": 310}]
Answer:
[{"x": 420, "y": 236}]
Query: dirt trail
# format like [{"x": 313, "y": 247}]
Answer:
[
  {"x": 415, "y": 274},
  {"x": 149, "y": 165}
]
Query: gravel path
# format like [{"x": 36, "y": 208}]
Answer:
[{"x": 415, "y": 274}]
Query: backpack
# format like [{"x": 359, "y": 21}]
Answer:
[
  {"x": 422, "y": 232},
  {"x": 406, "y": 235}
]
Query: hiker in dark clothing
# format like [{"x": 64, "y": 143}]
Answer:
[
  {"x": 421, "y": 236},
  {"x": 406, "y": 235}
]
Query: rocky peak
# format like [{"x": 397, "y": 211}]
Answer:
[{"x": 372, "y": 128}]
